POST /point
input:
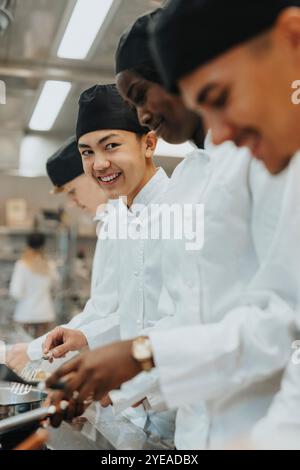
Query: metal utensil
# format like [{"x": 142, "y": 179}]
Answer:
[
  {"x": 21, "y": 389},
  {"x": 8, "y": 375}
]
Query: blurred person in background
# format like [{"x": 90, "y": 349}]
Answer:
[{"x": 33, "y": 278}]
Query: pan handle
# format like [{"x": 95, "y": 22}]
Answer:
[
  {"x": 29, "y": 417},
  {"x": 23, "y": 419}
]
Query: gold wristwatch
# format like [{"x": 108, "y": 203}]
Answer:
[{"x": 142, "y": 353}]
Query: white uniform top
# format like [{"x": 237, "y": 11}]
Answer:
[
  {"x": 103, "y": 281},
  {"x": 138, "y": 268},
  {"x": 125, "y": 292},
  {"x": 33, "y": 294},
  {"x": 110, "y": 293},
  {"x": 239, "y": 293},
  {"x": 280, "y": 428}
]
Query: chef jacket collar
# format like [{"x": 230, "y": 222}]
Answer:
[{"x": 152, "y": 191}]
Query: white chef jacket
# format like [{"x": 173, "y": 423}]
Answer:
[
  {"x": 138, "y": 289},
  {"x": 239, "y": 293},
  {"x": 280, "y": 429},
  {"x": 103, "y": 303},
  {"x": 33, "y": 294},
  {"x": 124, "y": 302}
]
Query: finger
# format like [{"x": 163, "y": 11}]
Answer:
[
  {"x": 79, "y": 409},
  {"x": 85, "y": 391},
  {"x": 64, "y": 370},
  {"x": 74, "y": 382},
  {"x": 51, "y": 338},
  {"x": 57, "y": 419},
  {"x": 61, "y": 351},
  {"x": 71, "y": 410},
  {"x": 55, "y": 399},
  {"x": 106, "y": 401}
]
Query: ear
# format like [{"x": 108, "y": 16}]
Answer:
[
  {"x": 151, "y": 142},
  {"x": 288, "y": 26}
]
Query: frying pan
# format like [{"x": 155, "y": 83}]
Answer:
[
  {"x": 19, "y": 427},
  {"x": 12, "y": 404}
]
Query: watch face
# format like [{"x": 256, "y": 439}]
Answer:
[{"x": 142, "y": 350}]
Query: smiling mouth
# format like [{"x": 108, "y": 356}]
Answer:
[{"x": 108, "y": 179}]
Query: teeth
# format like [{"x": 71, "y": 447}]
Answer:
[{"x": 107, "y": 179}]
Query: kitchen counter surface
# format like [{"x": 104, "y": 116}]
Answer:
[
  {"x": 98, "y": 428},
  {"x": 106, "y": 433}
]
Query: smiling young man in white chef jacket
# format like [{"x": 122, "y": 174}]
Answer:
[{"x": 117, "y": 153}]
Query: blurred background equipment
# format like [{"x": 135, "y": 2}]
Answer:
[{"x": 6, "y": 17}]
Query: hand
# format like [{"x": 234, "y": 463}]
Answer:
[
  {"x": 98, "y": 372},
  {"x": 17, "y": 357},
  {"x": 73, "y": 410},
  {"x": 60, "y": 341}
]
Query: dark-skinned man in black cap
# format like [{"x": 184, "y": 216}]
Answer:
[{"x": 237, "y": 66}]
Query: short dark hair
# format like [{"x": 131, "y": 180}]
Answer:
[{"x": 36, "y": 240}]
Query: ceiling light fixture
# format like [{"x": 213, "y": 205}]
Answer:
[
  {"x": 48, "y": 107},
  {"x": 85, "y": 23}
]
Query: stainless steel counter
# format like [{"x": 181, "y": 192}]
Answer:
[
  {"x": 104, "y": 434},
  {"x": 98, "y": 429}
]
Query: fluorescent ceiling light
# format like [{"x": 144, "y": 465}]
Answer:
[
  {"x": 51, "y": 101},
  {"x": 86, "y": 21}
]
